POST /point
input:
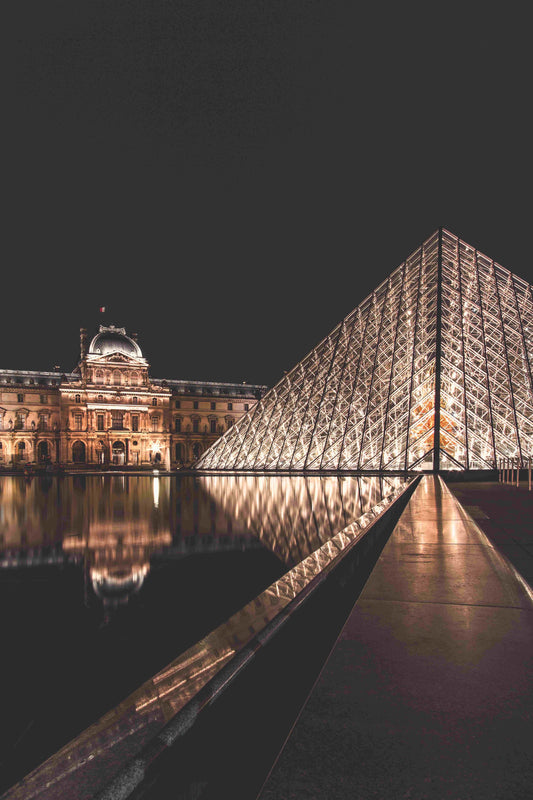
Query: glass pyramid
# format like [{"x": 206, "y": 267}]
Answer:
[{"x": 432, "y": 371}]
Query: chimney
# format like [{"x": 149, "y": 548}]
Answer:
[{"x": 83, "y": 342}]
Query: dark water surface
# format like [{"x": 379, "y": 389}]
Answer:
[{"x": 104, "y": 579}]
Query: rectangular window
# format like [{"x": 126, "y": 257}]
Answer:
[
  {"x": 78, "y": 421},
  {"x": 155, "y": 423},
  {"x": 100, "y": 422},
  {"x": 135, "y": 422},
  {"x": 20, "y": 398},
  {"x": 117, "y": 420},
  {"x": 177, "y": 404},
  {"x": 178, "y": 451},
  {"x": 43, "y": 398},
  {"x": 177, "y": 425},
  {"x": 213, "y": 406},
  {"x": 230, "y": 406},
  {"x": 195, "y": 404},
  {"x": 195, "y": 425},
  {"x": 213, "y": 423},
  {"x": 246, "y": 406}
]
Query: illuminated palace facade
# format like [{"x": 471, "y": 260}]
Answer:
[{"x": 109, "y": 411}]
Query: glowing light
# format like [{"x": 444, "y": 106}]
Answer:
[{"x": 365, "y": 398}]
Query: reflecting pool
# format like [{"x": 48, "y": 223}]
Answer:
[{"x": 104, "y": 579}]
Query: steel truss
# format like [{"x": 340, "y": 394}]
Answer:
[{"x": 432, "y": 371}]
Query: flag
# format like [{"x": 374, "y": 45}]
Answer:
[{"x": 102, "y": 309}]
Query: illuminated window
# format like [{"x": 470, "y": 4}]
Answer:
[
  {"x": 117, "y": 377},
  {"x": 78, "y": 421},
  {"x": 155, "y": 422}
]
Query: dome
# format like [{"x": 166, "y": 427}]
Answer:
[{"x": 114, "y": 340}]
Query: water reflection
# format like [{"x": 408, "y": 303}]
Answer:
[
  {"x": 294, "y": 515},
  {"x": 115, "y": 524},
  {"x": 183, "y": 571}
]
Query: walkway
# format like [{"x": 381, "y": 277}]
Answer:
[
  {"x": 428, "y": 692},
  {"x": 505, "y": 514}
]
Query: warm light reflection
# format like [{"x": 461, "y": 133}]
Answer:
[
  {"x": 143, "y": 715},
  {"x": 294, "y": 515}
]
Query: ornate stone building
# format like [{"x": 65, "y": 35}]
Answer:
[{"x": 108, "y": 411}]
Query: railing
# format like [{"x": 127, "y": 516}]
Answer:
[{"x": 509, "y": 470}]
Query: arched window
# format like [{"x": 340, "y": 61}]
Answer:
[
  {"x": 117, "y": 377},
  {"x": 78, "y": 453},
  {"x": 98, "y": 376},
  {"x": 43, "y": 451},
  {"x": 154, "y": 401},
  {"x": 21, "y": 451}
]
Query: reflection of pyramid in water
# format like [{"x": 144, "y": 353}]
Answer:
[{"x": 449, "y": 330}]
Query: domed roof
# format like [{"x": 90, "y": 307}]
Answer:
[{"x": 113, "y": 340}]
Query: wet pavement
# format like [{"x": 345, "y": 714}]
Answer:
[
  {"x": 428, "y": 691},
  {"x": 505, "y": 514}
]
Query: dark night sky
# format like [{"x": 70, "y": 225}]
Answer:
[{"x": 231, "y": 178}]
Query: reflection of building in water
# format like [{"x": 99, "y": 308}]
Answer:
[
  {"x": 293, "y": 515},
  {"x": 30, "y": 522},
  {"x": 117, "y": 557},
  {"x": 116, "y": 524},
  {"x": 109, "y": 411}
]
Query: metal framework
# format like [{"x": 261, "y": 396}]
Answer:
[{"x": 432, "y": 371}]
